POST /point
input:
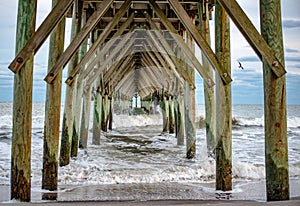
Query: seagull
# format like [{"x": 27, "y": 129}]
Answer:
[{"x": 240, "y": 65}]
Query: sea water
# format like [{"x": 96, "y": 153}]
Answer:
[{"x": 135, "y": 151}]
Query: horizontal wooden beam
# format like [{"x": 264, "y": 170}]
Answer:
[
  {"x": 39, "y": 37},
  {"x": 77, "y": 41},
  {"x": 182, "y": 44},
  {"x": 257, "y": 42},
  {"x": 208, "y": 52}
]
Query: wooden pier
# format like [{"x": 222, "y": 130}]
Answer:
[{"x": 144, "y": 49}]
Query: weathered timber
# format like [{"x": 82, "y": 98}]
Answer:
[
  {"x": 110, "y": 114},
  {"x": 179, "y": 119},
  {"x": 77, "y": 41},
  {"x": 20, "y": 182},
  {"x": 105, "y": 112},
  {"x": 68, "y": 124},
  {"x": 100, "y": 40},
  {"x": 210, "y": 55},
  {"x": 117, "y": 52},
  {"x": 223, "y": 106},
  {"x": 78, "y": 101},
  {"x": 171, "y": 115},
  {"x": 97, "y": 113},
  {"x": 257, "y": 42},
  {"x": 38, "y": 38},
  {"x": 52, "y": 111},
  {"x": 165, "y": 112},
  {"x": 207, "y": 78},
  {"x": 209, "y": 92},
  {"x": 85, "y": 117},
  {"x": 276, "y": 142},
  {"x": 164, "y": 44}
]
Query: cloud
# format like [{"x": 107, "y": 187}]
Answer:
[
  {"x": 290, "y": 50},
  {"x": 291, "y": 23}
]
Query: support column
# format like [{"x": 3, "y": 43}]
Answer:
[
  {"x": 105, "y": 110},
  {"x": 85, "y": 118},
  {"x": 276, "y": 143},
  {"x": 180, "y": 120},
  {"x": 52, "y": 110},
  {"x": 110, "y": 113},
  {"x": 171, "y": 115},
  {"x": 22, "y": 107},
  {"x": 97, "y": 114},
  {"x": 223, "y": 106},
  {"x": 68, "y": 117},
  {"x": 165, "y": 113},
  {"x": 209, "y": 92},
  {"x": 78, "y": 100},
  {"x": 190, "y": 108}
]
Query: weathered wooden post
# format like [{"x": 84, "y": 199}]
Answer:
[
  {"x": 97, "y": 113},
  {"x": 276, "y": 143},
  {"x": 105, "y": 112},
  {"x": 110, "y": 114},
  {"x": 189, "y": 108},
  {"x": 223, "y": 106},
  {"x": 20, "y": 182},
  {"x": 68, "y": 117},
  {"x": 209, "y": 92},
  {"x": 179, "y": 119},
  {"x": 171, "y": 115},
  {"x": 78, "y": 99},
  {"x": 85, "y": 117},
  {"x": 52, "y": 110},
  {"x": 165, "y": 112}
]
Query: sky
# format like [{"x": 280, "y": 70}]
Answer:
[{"x": 247, "y": 85}]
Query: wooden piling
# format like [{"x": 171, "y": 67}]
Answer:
[
  {"x": 78, "y": 100},
  {"x": 223, "y": 106},
  {"x": 105, "y": 112},
  {"x": 52, "y": 111},
  {"x": 97, "y": 113},
  {"x": 68, "y": 117},
  {"x": 209, "y": 92},
  {"x": 110, "y": 114},
  {"x": 85, "y": 118},
  {"x": 171, "y": 115},
  {"x": 165, "y": 113},
  {"x": 179, "y": 119},
  {"x": 276, "y": 143},
  {"x": 20, "y": 183}
]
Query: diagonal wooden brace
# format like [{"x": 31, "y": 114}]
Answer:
[
  {"x": 208, "y": 52},
  {"x": 39, "y": 37},
  {"x": 77, "y": 41},
  {"x": 257, "y": 42}
]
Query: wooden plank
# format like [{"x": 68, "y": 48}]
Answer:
[
  {"x": 39, "y": 37},
  {"x": 210, "y": 55},
  {"x": 101, "y": 39},
  {"x": 52, "y": 111},
  {"x": 77, "y": 41},
  {"x": 253, "y": 37},
  {"x": 223, "y": 106},
  {"x": 207, "y": 78},
  {"x": 276, "y": 139}
]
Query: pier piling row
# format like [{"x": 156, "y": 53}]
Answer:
[{"x": 144, "y": 49}]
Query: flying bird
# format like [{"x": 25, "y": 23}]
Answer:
[{"x": 240, "y": 65}]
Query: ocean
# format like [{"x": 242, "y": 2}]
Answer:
[{"x": 136, "y": 162}]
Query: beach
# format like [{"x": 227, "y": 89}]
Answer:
[{"x": 135, "y": 163}]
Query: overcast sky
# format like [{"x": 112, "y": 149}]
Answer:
[{"x": 247, "y": 85}]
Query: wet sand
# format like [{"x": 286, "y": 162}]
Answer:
[{"x": 243, "y": 193}]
